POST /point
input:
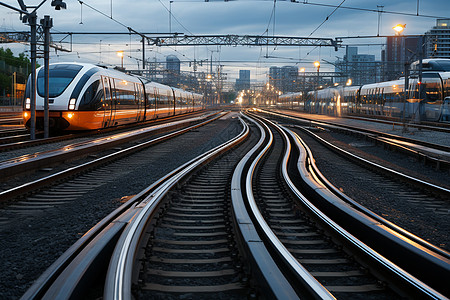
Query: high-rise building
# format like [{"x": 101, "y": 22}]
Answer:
[
  {"x": 438, "y": 40},
  {"x": 360, "y": 68},
  {"x": 284, "y": 78},
  {"x": 173, "y": 70},
  {"x": 243, "y": 82},
  {"x": 400, "y": 50}
]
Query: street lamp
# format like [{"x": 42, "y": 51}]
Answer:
[
  {"x": 120, "y": 54},
  {"x": 399, "y": 28},
  {"x": 317, "y": 65}
]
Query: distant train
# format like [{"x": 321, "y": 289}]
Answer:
[
  {"x": 86, "y": 97},
  {"x": 428, "y": 100}
]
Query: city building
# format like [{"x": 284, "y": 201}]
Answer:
[
  {"x": 400, "y": 50},
  {"x": 284, "y": 78},
  {"x": 173, "y": 70},
  {"x": 243, "y": 82},
  {"x": 360, "y": 68},
  {"x": 438, "y": 40}
]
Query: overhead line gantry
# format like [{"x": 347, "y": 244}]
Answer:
[{"x": 201, "y": 40}]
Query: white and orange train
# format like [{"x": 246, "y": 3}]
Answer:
[{"x": 86, "y": 97}]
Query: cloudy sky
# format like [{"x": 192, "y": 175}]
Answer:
[{"x": 242, "y": 17}]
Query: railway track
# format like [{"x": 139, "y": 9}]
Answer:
[
  {"x": 144, "y": 203},
  {"x": 299, "y": 237},
  {"x": 47, "y": 160},
  {"x": 89, "y": 195},
  {"x": 20, "y": 139},
  {"x": 430, "y": 153},
  {"x": 394, "y": 194},
  {"x": 234, "y": 225},
  {"x": 324, "y": 258}
]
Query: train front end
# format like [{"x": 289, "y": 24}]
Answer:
[{"x": 67, "y": 81}]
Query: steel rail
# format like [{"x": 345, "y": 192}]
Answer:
[
  {"x": 271, "y": 278},
  {"x": 314, "y": 288},
  {"x": 119, "y": 276},
  {"x": 29, "y": 143},
  {"x": 30, "y": 186},
  {"x": 306, "y": 173},
  {"x": 415, "y": 181},
  {"x": 61, "y": 279},
  {"x": 359, "y": 130}
]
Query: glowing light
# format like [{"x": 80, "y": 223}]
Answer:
[
  {"x": 120, "y": 53},
  {"x": 25, "y": 114},
  {"x": 70, "y": 115},
  {"x": 399, "y": 28},
  {"x": 317, "y": 64},
  {"x": 72, "y": 103},
  {"x": 349, "y": 82}
]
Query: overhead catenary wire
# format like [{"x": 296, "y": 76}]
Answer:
[
  {"x": 306, "y": 2},
  {"x": 326, "y": 19}
]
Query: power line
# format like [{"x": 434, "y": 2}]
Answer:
[
  {"x": 306, "y": 2},
  {"x": 326, "y": 19}
]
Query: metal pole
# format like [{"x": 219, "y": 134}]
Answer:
[
  {"x": 420, "y": 45},
  {"x": 14, "y": 89},
  {"x": 406, "y": 89},
  {"x": 47, "y": 24},
  {"x": 170, "y": 16},
  {"x": 143, "y": 55},
  {"x": 32, "y": 23}
]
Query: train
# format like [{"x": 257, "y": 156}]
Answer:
[
  {"x": 427, "y": 100},
  {"x": 88, "y": 97}
]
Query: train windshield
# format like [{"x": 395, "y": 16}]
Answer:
[{"x": 60, "y": 76}]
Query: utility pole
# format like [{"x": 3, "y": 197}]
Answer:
[
  {"x": 46, "y": 23},
  {"x": 32, "y": 23}
]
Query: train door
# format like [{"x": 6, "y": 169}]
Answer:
[
  {"x": 171, "y": 95},
  {"x": 139, "y": 100},
  {"x": 108, "y": 105}
]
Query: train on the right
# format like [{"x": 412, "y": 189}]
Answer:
[{"x": 427, "y": 100}]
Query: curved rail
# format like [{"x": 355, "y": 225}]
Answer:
[
  {"x": 66, "y": 276},
  {"x": 386, "y": 237},
  {"x": 387, "y": 139},
  {"x": 417, "y": 182},
  {"x": 30, "y": 186},
  {"x": 119, "y": 277},
  {"x": 310, "y": 287}
]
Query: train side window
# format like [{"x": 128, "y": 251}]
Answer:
[{"x": 92, "y": 98}]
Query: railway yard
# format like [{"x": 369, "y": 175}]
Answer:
[{"x": 250, "y": 204}]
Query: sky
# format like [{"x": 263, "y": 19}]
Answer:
[{"x": 241, "y": 17}]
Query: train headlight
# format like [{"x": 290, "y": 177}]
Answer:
[
  {"x": 27, "y": 103},
  {"x": 72, "y": 103},
  {"x": 70, "y": 115},
  {"x": 25, "y": 114}
]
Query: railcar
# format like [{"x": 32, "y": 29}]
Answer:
[
  {"x": 426, "y": 100},
  {"x": 87, "y": 97}
]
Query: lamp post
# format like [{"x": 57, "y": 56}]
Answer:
[
  {"x": 398, "y": 31},
  {"x": 317, "y": 65},
  {"x": 120, "y": 54}
]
